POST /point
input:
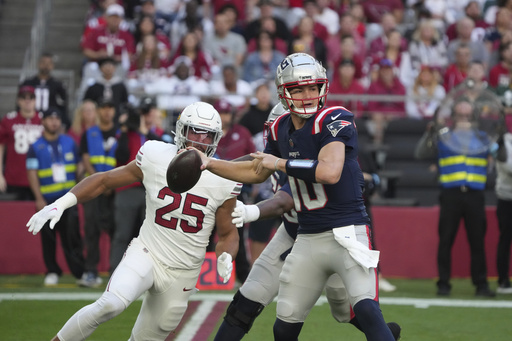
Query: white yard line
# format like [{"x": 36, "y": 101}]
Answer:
[
  {"x": 213, "y": 297},
  {"x": 196, "y": 321}
]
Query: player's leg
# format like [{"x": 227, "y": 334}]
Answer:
[
  {"x": 301, "y": 283},
  {"x": 132, "y": 278},
  {"x": 164, "y": 304},
  {"x": 258, "y": 290}
]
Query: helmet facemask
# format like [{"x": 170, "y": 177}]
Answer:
[
  {"x": 201, "y": 119},
  {"x": 301, "y": 110}
]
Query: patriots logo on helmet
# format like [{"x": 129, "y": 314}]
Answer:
[{"x": 336, "y": 126}]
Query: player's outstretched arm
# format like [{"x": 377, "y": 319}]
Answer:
[
  {"x": 247, "y": 172},
  {"x": 85, "y": 190},
  {"x": 274, "y": 207},
  {"x": 227, "y": 245}
]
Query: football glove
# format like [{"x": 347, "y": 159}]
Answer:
[
  {"x": 51, "y": 212},
  {"x": 244, "y": 214},
  {"x": 225, "y": 266}
]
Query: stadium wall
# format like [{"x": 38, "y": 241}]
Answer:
[{"x": 406, "y": 237}]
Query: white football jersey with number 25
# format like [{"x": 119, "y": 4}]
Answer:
[{"x": 177, "y": 227}]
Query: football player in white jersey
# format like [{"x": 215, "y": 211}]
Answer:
[{"x": 165, "y": 259}]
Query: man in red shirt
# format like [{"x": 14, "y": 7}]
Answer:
[
  {"x": 109, "y": 40},
  {"x": 456, "y": 72},
  {"x": 18, "y": 130},
  {"x": 344, "y": 84},
  {"x": 499, "y": 75}
]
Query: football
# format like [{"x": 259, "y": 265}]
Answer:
[{"x": 184, "y": 171}]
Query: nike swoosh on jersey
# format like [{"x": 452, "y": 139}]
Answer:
[
  {"x": 185, "y": 289},
  {"x": 335, "y": 117}
]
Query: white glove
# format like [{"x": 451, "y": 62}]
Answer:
[
  {"x": 51, "y": 212},
  {"x": 244, "y": 214},
  {"x": 225, "y": 266}
]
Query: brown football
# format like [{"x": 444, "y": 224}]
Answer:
[{"x": 184, "y": 171}]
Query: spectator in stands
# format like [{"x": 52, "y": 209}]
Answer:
[
  {"x": 498, "y": 34},
  {"x": 327, "y": 16},
  {"x": 146, "y": 26},
  {"x": 168, "y": 9},
  {"x": 97, "y": 18},
  {"x": 375, "y": 9},
  {"x": 52, "y": 169},
  {"x": 18, "y": 130},
  {"x": 262, "y": 63},
  {"x": 388, "y": 25},
  {"x": 357, "y": 12},
  {"x": 305, "y": 41},
  {"x": 427, "y": 47},
  {"x": 188, "y": 20},
  {"x": 478, "y": 49},
  {"x": 347, "y": 51},
  {"x": 182, "y": 88},
  {"x": 235, "y": 90},
  {"x": 385, "y": 109},
  {"x": 225, "y": 47},
  {"x": 50, "y": 92},
  {"x": 147, "y": 8},
  {"x": 333, "y": 43},
  {"x": 266, "y": 8},
  {"x": 236, "y": 142},
  {"x": 233, "y": 15},
  {"x": 256, "y": 116},
  {"x": 312, "y": 10},
  {"x": 456, "y": 72},
  {"x": 269, "y": 25},
  {"x": 472, "y": 11},
  {"x": 190, "y": 46},
  {"x": 110, "y": 40},
  {"x": 147, "y": 65},
  {"x": 504, "y": 211},
  {"x": 84, "y": 118},
  {"x": 426, "y": 94},
  {"x": 152, "y": 118},
  {"x": 97, "y": 149},
  {"x": 108, "y": 87},
  {"x": 461, "y": 197},
  {"x": 130, "y": 200},
  {"x": 401, "y": 59},
  {"x": 344, "y": 83},
  {"x": 499, "y": 74}
]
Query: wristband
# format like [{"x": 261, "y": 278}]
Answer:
[
  {"x": 302, "y": 169},
  {"x": 252, "y": 213},
  {"x": 66, "y": 201},
  {"x": 275, "y": 164}
]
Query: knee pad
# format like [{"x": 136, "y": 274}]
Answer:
[
  {"x": 285, "y": 331},
  {"x": 109, "y": 306},
  {"x": 242, "y": 312}
]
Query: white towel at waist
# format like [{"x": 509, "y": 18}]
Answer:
[{"x": 346, "y": 237}]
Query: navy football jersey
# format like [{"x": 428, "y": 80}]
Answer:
[
  {"x": 322, "y": 207},
  {"x": 290, "y": 222}
]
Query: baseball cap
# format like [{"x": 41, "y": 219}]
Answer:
[
  {"x": 52, "y": 111},
  {"x": 222, "y": 106},
  {"x": 115, "y": 9},
  {"x": 385, "y": 62},
  {"x": 26, "y": 89},
  {"x": 105, "y": 103}
]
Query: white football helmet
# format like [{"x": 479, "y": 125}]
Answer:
[
  {"x": 200, "y": 117},
  {"x": 276, "y": 111},
  {"x": 301, "y": 69}
]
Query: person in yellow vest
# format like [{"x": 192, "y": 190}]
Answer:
[
  {"x": 98, "y": 147},
  {"x": 52, "y": 166},
  {"x": 462, "y": 156}
]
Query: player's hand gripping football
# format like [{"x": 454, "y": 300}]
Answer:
[
  {"x": 51, "y": 212},
  {"x": 205, "y": 159},
  {"x": 244, "y": 214},
  {"x": 225, "y": 266}
]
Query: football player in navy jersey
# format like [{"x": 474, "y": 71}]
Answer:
[{"x": 316, "y": 147}]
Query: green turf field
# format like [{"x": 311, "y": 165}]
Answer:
[{"x": 427, "y": 318}]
